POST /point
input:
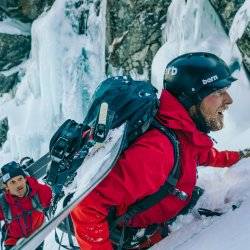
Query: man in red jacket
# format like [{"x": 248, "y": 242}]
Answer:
[
  {"x": 22, "y": 204},
  {"x": 191, "y": 104}
]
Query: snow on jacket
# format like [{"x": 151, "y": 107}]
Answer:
[
  {"x": 23, "y": 223},
  {"x": 141, "y": 170}
]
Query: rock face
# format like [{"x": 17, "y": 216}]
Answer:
[
  {"x": 24, "y": 10},
  {"x": 7, "y": 82},
  {"x": 13, "y": 50},
  {"x": 227, "y": 10},
  {"x": 3, "y": 131},
  {"x": 134, "y": 33}
]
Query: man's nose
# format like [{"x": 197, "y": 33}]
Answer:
[{"x": 228, "y": 99}]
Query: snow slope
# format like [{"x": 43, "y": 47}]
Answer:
[{"x": 229, "y": 232}]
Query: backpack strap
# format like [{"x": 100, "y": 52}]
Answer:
[
  {"x": 168, "y": 188},
  {"x": 7, "y": 217},
  {"x": 175, "y": 172},
  {"x": 6, "y": 209},
  {"x": 36, "y": 204}
]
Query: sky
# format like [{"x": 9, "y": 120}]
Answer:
[{"x": 63, "y": 70}]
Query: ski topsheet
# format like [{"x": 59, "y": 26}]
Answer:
[
  {"x": 95, "y": 167},
  {"x": 38, "y": 168}
]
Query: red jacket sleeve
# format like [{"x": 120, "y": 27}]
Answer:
[
  {"x": 217, "y": 158},
  {"x": 44, "y": 191},
  {"x": 132, "y": 172},
  {"x": 1, "y": 214}
]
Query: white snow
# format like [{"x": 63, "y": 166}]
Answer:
[
  {"x": 228, "y": 232},
  {"x": 63, "y": 71}
]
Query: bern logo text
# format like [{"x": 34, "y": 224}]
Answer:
[
  {"x": 210, "y": 79},
  {"x": 171, "y": 70}
]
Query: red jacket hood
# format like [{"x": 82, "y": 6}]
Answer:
[
  {"x": 31, "y": 182},
  {"x": 173, "y": 114}
]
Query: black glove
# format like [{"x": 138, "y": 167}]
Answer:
[{"x": 245, "y": 153}]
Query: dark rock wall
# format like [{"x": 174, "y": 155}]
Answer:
[
  {"x": 134, "y": 31},
  {"x": 24, "y": 10},
  {"x": 8, "y": 82},
  {"x": 13, "y": 50},
  {"x": 3, "y": 130}
]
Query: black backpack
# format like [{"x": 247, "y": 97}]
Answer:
[
  {"x": 125, "y": 100},
  {"x": 130, "y": 101},
  {"x": 134, "y": 102}
]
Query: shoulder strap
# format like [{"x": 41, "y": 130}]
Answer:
[
  {"x": 5, "y": 208},
  {"x": 169, "y": 187},
  {"x": 175, "y": 172},
  {"x": 36, "y": 204}
]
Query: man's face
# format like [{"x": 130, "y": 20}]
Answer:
[
  {"x": 17, "y": 186},
  {"x": 213, "y": 106}
]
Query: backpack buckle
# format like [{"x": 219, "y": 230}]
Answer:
[
  {"x": 101, "y": 128},
  {"x": 180, "y": 194},
  {"x": 60, "y": 149}
]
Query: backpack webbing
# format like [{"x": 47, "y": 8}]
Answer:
[
  {"x": 36, "y": 205},
  {"x": 169, "y": 187},
  {"x": 5, "y": 208}
]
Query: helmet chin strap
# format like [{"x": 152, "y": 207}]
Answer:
[{"x": 199, "y": 120}]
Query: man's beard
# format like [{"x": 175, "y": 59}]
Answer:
[
  {"x": 205, "y": 123},
  {"x": 213, "y": 123}
]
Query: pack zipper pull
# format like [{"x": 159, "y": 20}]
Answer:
[
  {"x": 100, "y": 131},
  {"x": 180, "y": 194}
]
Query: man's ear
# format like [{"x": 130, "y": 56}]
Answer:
[
  {"x": 5, "y": 187},
  {"x": 192, "y": 111}
]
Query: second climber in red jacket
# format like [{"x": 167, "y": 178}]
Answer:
[
  {"x": 192, "y": 104},
  {"x": 23, "y": 204}
]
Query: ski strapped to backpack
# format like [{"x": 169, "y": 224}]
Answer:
[
  {"x": 36, "y": 168},
  {"x": 65, "y": 159},
  {"x": 66, "y": 226},
  {"x": 117, "y": 100}
]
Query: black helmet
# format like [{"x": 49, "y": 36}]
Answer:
[
  {"x": 193, "y": 76},
  {"x": 10, "y": 170}
]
